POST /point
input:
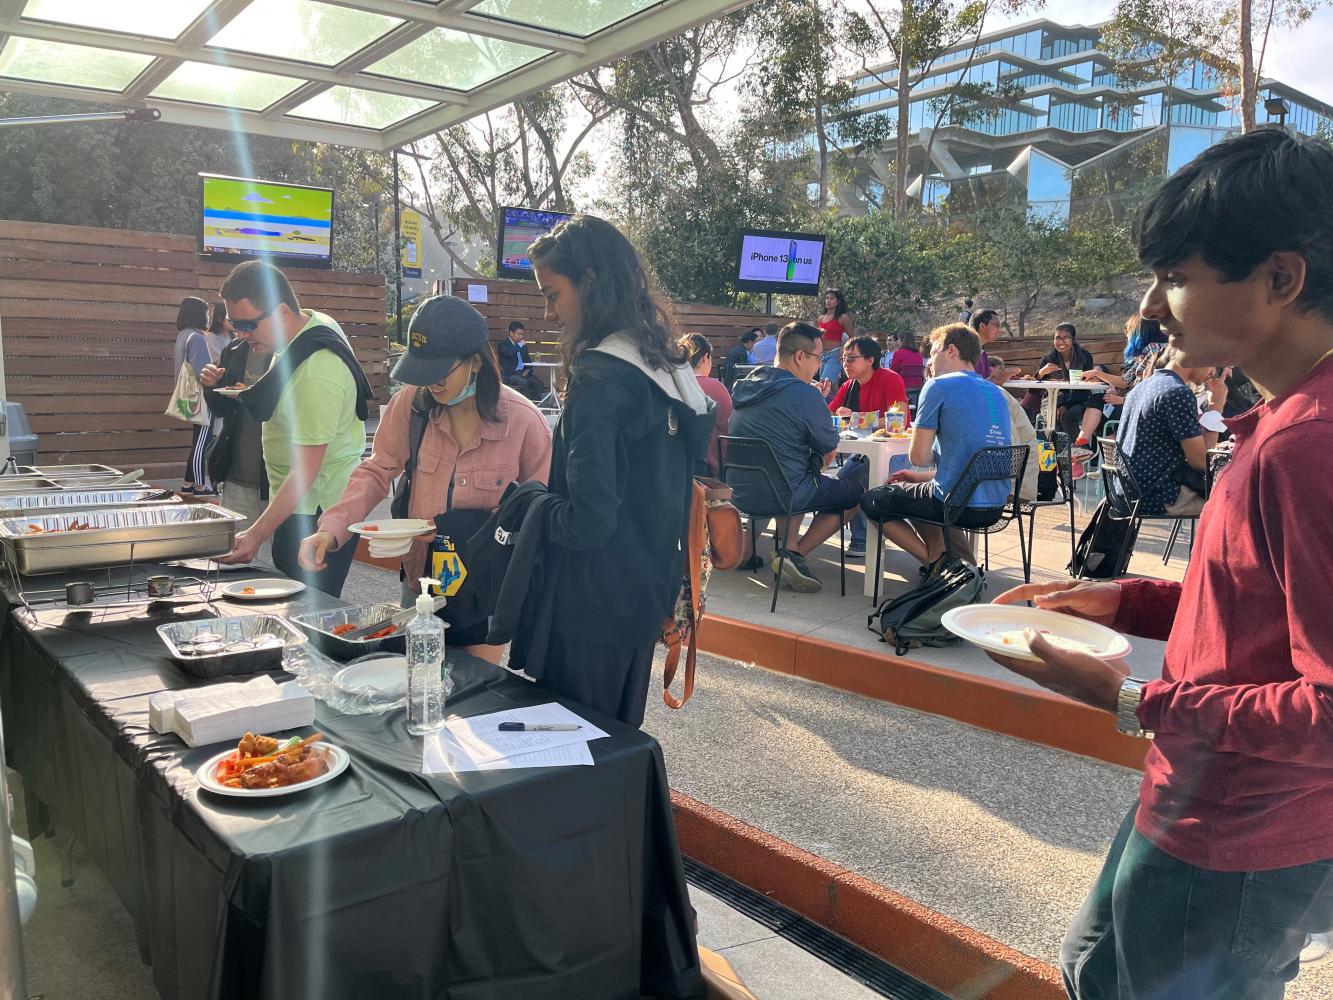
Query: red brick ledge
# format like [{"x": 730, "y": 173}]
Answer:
[
  {"x": 937, "y": 950},
  {"x": 1026, "y": 714}
]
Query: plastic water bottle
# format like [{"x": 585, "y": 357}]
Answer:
[{"x": 425, "y": 667}]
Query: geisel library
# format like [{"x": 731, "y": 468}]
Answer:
[{"x": 1076, "y": 143}]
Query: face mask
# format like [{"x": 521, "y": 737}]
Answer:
[{"x": 467, "y": 393}]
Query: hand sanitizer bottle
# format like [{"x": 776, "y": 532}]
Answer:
[{"x": 425, "y": 667}]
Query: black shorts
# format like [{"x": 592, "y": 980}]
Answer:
[{"x": 918, "y": 501}]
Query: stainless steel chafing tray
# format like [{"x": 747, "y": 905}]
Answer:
[
  {"x": 14, "y": 485},
  {"x": 216, "y": 647},
  {"x": 76, "y": 470},
  {"x": 116, "y": 537},
  {"x": 62, "y": 501}
]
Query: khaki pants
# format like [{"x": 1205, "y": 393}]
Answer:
[
  {"x": 1187, "y": 504},
  {"x": 243, "y": 500}
]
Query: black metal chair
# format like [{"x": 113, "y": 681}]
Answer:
[
  {"x": 989, "y": 465},
  {"x": 762, "y": 492},
  {"x": 1064, "y": 474},
  {"x": 1124, "y": 497},
  {"x": 914, "y": 373}
]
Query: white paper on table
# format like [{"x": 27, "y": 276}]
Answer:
[
  {"x": 481, "y": 738},
  {"x": 442, "y": 755},
  {"x": 476, "y": 293}
]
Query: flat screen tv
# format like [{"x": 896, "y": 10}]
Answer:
[
  {"x": 771, "y": 260},
  {"x": 518, "y": 228},
  {"x": 286, "y": 223}
]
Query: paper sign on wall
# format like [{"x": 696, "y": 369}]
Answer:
[
  {"x": 409, "y": 226},
  {"x": 476, "y": 293}
]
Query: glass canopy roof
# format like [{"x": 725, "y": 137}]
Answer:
[{"x": 372, "y": 73}]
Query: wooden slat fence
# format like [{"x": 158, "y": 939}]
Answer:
[
  {"x": 89, "y": 319},
  {"x": 509, "y": 300}
]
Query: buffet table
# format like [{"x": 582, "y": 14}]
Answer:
[{"x": 526, "y": 883}]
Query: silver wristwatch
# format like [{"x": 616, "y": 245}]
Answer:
[{"x": 1127, "y": 708}]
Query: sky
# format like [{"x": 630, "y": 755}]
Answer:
[{"x": 1297, "y": 58}]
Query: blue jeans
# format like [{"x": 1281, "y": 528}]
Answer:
[
  {"x": 1155, "y": 928},
  {"x": 830, "y": 366},
  {"x": 858, "y": 468}
]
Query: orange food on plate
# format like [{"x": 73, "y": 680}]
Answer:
[
  {"x": 383, "y": 633},
  {"x": 247, "y": 590},
  {"x": 371, "y": 527},
  {"x": 266, "y": 762},
  {"x": 343, "y": 629}
]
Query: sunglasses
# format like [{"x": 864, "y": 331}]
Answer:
[{"x": 251, "y": 325}]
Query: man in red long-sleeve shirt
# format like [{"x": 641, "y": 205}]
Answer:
[{"x": 1225, "y": 863}]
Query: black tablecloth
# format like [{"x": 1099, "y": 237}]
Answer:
[{"x": 384, "y": 883}]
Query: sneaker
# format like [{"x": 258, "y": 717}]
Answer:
[
  {"x": 856, "y": 550},
  {"x": 1316, "y": 948},
  {"x": 796, "y": 574}
]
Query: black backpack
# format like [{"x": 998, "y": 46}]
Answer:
[
  {"x": 913, "y": 618},
  {"x": 1102, "y": 541}
]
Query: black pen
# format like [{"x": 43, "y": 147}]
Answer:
[{"x": 536, "y": 727}]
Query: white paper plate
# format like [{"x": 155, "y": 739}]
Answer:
[
  {"x": 998, "y": 628},
  {"x": 276, "y": 589},
  {"x": 390, "y": 547},
  {"x": 229, "y": 393},
  {"x": 338, "y": 761},
  {"x": 385, "y": 675},
  {"x": 392, "y": 528}
]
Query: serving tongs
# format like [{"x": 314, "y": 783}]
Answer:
[
  {"x": 127, "y": 477},
  {"x": 398, "y": 618}
]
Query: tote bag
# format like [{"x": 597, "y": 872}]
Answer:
[{"x": 187, "y": 398}]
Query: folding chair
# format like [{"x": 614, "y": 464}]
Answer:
[
  {"x": 1124, "y": 497},
  {"x": 1064, "y": 473},
  {"x": 762, "y": 491},
  {"x": 1002, "y": 464}
]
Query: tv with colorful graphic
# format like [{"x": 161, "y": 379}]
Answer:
[
  {"x": 518, "y": 228},
  {"x": 771, "y": 260},
  {"x": 287, "y": 223}
]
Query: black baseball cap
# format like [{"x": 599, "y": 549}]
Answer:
[{"x": 443, "y": 329}]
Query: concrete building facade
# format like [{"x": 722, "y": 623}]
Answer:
[{"x": 1076, "y": 142}]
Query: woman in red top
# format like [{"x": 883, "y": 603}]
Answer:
[
  {"x": 700, "y": 354},
  {"x": 868, "y": 386},
  {"x": 908, "y": 363},
  {"x": 835, "y": 326}
]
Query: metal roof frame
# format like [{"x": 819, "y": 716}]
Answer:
[{"x": 567, "y": 55}]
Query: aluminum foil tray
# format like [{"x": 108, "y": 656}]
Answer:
[
  {"x": 58, "y": 502},
  {"x": 117, "y": 537},
  {"x": 319, "y": 626},
  {"x": 217, "y": 647}
]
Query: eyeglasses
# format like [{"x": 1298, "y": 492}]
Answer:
[
  {"x": 251, "y": 325},
  {"x": 440, "y": 383}
]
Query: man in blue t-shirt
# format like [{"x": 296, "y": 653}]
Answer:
[
  {"x": 959, "y": 414},
  {"x": 1161, "y": 438},
  {"x": 765, "y": 349}
]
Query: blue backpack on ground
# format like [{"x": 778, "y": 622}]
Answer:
[{"x": 913, "y": 618}]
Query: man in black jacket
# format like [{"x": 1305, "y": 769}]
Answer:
[
  {"x": 737, "y": 356},
  {"x": 237, "y": 457},
  {"x": 516, "y": 369}
]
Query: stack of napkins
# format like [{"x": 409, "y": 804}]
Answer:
[
  {"x": 224, "y": 712},
  {"x": 162, "y": 706}
]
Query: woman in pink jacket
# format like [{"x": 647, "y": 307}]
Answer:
[{"x": 480, "y": 436}]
